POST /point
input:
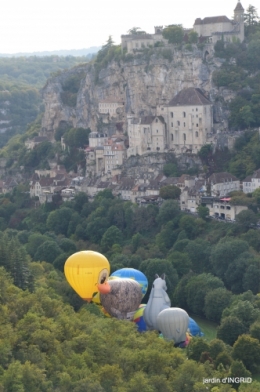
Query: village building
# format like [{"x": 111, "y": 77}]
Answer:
[
  {"x": 110, "y": 106},
  {"x": 222, "y": 208},
  {"x": 140, "y": 40},
  {"x": 251, "y": 183},
  {"x": 31, "y": 143},
  {"x": 216, "y": 28},
  {"x": 189, "y": 119},
  {"x": 221, "y": 184},
  {"x": 146, "y": 134}
]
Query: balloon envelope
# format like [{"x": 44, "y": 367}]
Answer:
[
  {"x": 139, "y": 319},
  {"x": 84, "y": 270},
  {"x": 124, "y": 298},
  {"x": 194, "y": 329},
  {"x": 173, "y": 323},
  {"x": 132, "y": 273}
]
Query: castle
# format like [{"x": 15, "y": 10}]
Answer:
[
  {"x": 183, "y": 125},
  {"x": 210, "y": 29}
]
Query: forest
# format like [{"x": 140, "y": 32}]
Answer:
[
  {"x": 21, "y": 80},
  {"x": 52, "y": 341}
]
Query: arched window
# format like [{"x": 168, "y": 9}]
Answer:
[{"x": 197, "y": 134}]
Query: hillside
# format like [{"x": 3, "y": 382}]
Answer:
[{"x": 21, "y": 79}]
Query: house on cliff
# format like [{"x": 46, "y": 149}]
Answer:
[{"x": 216, "y": 28}]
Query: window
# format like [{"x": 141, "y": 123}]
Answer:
[
  {"x": 184, "y": 114},
  {"x": 157, "y": 130},
  {"x": 156, "y": 121},
  {"x": 197, "y": 134},
  {"x": 197, "y": 125},
  {"x": 184, "y": 124},
  {"x": 196, "y": 109},
  {"x": 172, "y": 125},
  {"x": 178, "y": 123},
  {"x": 171, "y": 114},
  {"x": 184, "y": 136},
  {"x": 172, "y": 137}
]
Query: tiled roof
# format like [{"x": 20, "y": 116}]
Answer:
[
  {"x": 217, "y": 178},
  {"x": 212, "y": 19},
  {"x": 150, "y": 119},
  {"x": 190, "y": 97},
  {"x": 46, "y": 181}
]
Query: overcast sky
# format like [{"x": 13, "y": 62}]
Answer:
[{"x": 30, "y": 25}]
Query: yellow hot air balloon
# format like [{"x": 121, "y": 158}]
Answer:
[{"x": 84, "y": 270}]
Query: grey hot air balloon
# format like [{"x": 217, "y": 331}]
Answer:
[
  {"x": 173, "y": 323},
  {"x": 120, "y": 297}
]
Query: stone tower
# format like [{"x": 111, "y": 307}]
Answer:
[{"x": 239, "y": 20}]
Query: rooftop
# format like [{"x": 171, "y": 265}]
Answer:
[{"x": 190, "y": 97}]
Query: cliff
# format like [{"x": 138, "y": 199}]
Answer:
[{"x": 141, "y": 82}]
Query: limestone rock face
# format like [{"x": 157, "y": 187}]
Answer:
[{"x": 141, "y": 83}]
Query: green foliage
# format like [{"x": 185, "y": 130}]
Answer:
[
  {"x": 170, "y": 192},
  {"x": 170, "y": 170},
  {"x": 230, "y": 329},
  {"x": 247, "y": 350},
  {"x": 76, "y": 137},
  {"x": 215, "y": 302},
  {"x": 174, "y": 34},
  {"x": 71, "y": 86}
]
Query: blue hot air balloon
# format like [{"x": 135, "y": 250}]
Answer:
[
  {"x": 134, "y": 274},
  {"x": 194, "y": 329}
]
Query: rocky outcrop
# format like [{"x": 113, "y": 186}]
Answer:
[{"x": 141, "y": 83}]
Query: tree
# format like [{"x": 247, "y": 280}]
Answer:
[
  {"x": 251, "y": 19},
  {"x": 180, "y": 261},
  {"x": 48, "y": 252},
  {"x": 112, "y": 236},
  {"x": 246, "y": 218},
  {"x": 193, "y": 37},
  {"x": 244, "y": 310},
  {"x": 174, "y": 34},
  {"x": 170, "y": 170},
  {"x": 197, "y": 288},
  {"x": 203, "y": 212},
  {"x": 247, "y": 350},
  {"x": 230, "y": 329},
  {"x": 255, "y": 330},
  {"x": 215, "y": 302},
  {"x": 170, "y": 192},
  {"x": 58, "y": 221},
  {"x": 199, "y": 253},
  {"x": 168, "y": 211},
  {"x": 224, "y": 253},
  {"x": 196, "y": 347}
]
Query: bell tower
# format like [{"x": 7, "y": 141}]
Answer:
[{"x": 239, "y": 20}]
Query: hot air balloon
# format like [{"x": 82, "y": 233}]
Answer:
[
  {"x": 120, "y": 297},
  {"x": 132, "y": 273},
  {"x": 193, "y": 328},
  {"x": 85, "y": 270},
  {"x": 139, "y": 319},
  {"x": 173, "y": 323}
]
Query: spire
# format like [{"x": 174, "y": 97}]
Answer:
[{"x": 239, "y": 6}]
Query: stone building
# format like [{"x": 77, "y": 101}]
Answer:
[
  {"x": 222, "y": 208},
  {"x": 114, "y": 154},
  {"x": 97, "y": 139},
  {"x": 216, "y": 28},
  {"x": 189, "y": 120},
  {"x": 146, "y": 134},
  {"x": 251, "y": 183},
  {"x": 110, "y": 106},
  {"x": 221, "y": 184},
  {"x": 140, "y": 40}
]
